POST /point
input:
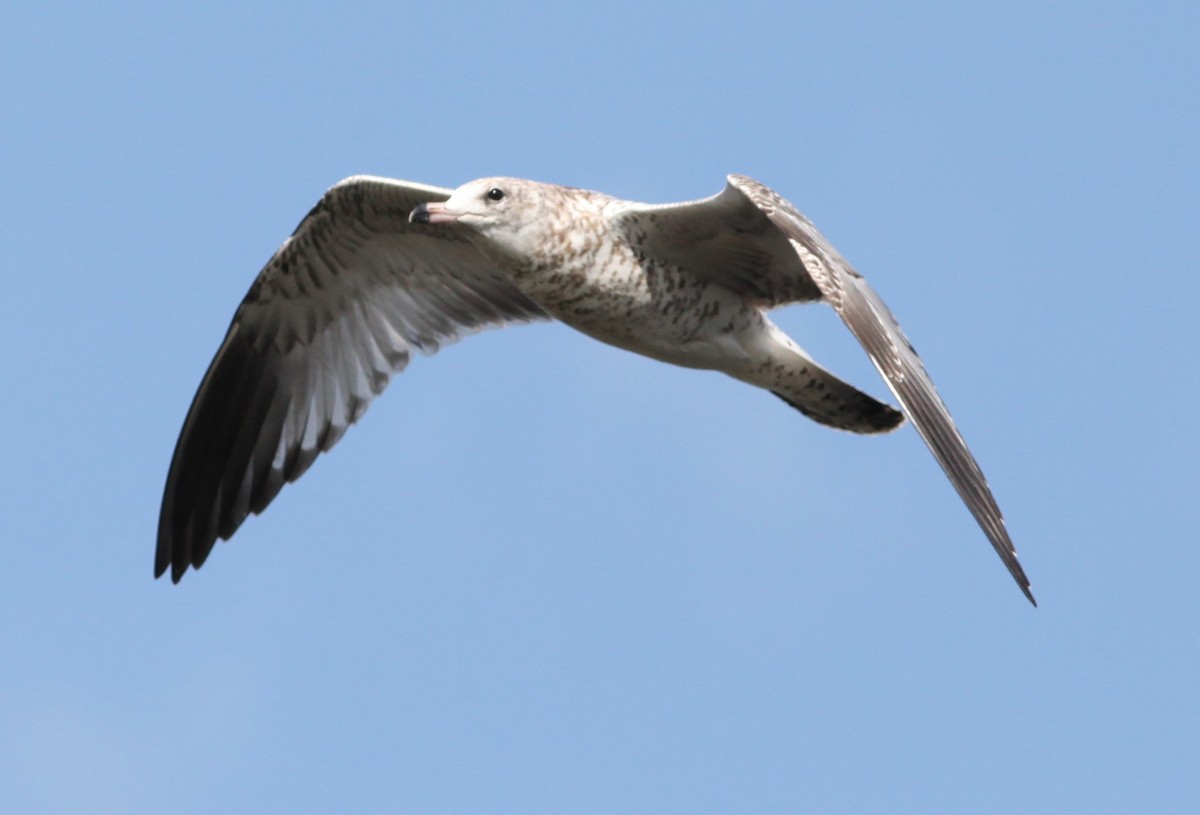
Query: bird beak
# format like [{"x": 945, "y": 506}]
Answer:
[{"x": 432, "y": 213}]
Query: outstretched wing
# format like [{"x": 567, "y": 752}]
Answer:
[
  {"x": 870, "y": 320},
  {"x": 750, "y": 240},
  {"x": 331, "y": 317}
]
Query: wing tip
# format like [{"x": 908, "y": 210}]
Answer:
[
  {"x": 1018, "y": 575},
  {"x": 1029, "y": 594},
  {"x": 178, "y": 569},
  {"x": 164, "y": 559}
]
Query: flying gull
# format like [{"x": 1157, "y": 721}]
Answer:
[{"x": 380, "y": 267}]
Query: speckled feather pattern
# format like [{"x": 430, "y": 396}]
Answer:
[{"x": 379, "y": 267}]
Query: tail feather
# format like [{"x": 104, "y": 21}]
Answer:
[
  {"x": 845, "y": 408},
  {"x": 773, "y": 361}
]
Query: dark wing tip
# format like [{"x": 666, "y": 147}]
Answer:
[
  {"x": 220, "y": 458},
  {"x": 1018, "y": 573}
]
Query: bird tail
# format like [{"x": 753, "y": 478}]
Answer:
[
  {"x": 850, "y": 409},
  {"x": 786, "y": 370}
]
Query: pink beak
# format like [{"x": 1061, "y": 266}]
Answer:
[{"x": 432, "y": 213}]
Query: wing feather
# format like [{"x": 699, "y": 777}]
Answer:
[
  {"x": 721, "y": 239},
  {"x": 870, "y": 320},
  {"x": 334, "y": 313}
]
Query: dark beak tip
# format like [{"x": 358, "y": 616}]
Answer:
[{"x": 419, "y": 215}]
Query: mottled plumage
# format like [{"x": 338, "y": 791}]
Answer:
[{"x": 380, "y": 267}]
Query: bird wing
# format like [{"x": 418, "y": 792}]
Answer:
[
  {"x": 723, "y": 239},
  {"x": 748, "y": 223},
  {"x": 334, "y": 313}
]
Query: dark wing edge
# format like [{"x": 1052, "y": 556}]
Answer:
[
  {"x": 329, "y": 319},
  {"x": 872, "y": 323}
]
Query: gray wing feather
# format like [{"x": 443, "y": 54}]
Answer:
[
  {"x": 872, "y": 323},
  {"x": 334, "y": 313},
  {"x": 722, "y": 239}
]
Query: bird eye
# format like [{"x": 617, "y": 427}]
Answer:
[{"x": 495, "y": 194}]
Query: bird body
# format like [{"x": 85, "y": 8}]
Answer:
[
  {"x": 600, "y": 265},
  {"x": 380, "y": 267}
]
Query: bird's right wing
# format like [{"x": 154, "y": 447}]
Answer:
[{"x": 335, "y": 312}]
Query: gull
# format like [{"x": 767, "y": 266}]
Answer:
[{"x": 380, "y": 267}]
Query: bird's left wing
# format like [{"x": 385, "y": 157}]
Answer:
[
  {"x": 334, "y": 313},
  {"x": 752, "y": 241},
  {"x": 872, "y": 323}
]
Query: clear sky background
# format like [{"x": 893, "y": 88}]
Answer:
[{"x": 547, "y": 576}]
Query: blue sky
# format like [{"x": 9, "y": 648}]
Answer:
[{"x": 547, "y": 576}]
